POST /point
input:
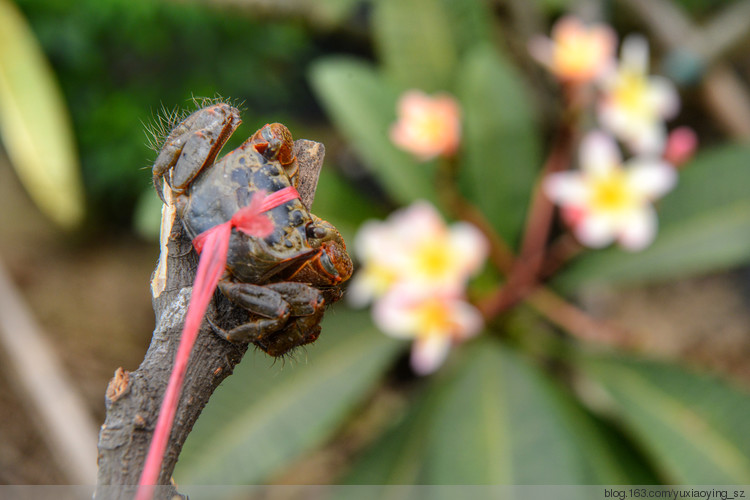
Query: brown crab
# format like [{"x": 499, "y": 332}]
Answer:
[{"x": 284, "y": 280}]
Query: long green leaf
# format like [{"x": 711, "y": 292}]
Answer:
[
  {"x": 264, "y": 416},
  {"x": 398, "y": 458},
  {"x": 705, "y": 226},
  {"x": 34, "y": 123},
  {"x": 716, "y": 178},
  {"x": 415, "y": 43},
  {"x": 470, "y": 23},
  {"x": 712, "y": 241},
  {"x": 501, "y": 421},
  {"x": 695, "y": 427},
  {"x": 362, "y": 104},
  {"x": 496, "y": 419},
  {"x": 501, "y": 145}
]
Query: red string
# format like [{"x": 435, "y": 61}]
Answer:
[{"x": 212, "y": 245}]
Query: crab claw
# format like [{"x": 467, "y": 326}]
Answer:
[
  {"x": 193, "y": 145},
  {"x": 331, "y": 264},
  {"x": 274, "y": 141}
]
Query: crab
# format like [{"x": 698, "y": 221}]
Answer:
[{"x": 284, "y": 280}]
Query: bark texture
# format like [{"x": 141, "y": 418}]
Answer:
[{"x": 133, "y": 399}]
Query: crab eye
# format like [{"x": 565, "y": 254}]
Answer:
[
  {"x": 316, "y": 232},
  {"x": 328, "y": 267}
]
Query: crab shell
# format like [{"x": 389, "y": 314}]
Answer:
[{"x": 290, "y": 252}]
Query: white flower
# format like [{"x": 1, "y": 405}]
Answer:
[
  {"x": 611, "y": 201},
  {"x": 635, "y": 105},
  {"x": 434, "y": 321},
  {"x": 416, "y": 249},
  {"x": 415, "y": 269}
]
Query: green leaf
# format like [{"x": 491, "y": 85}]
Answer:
[
  {"x": 716, "y": 178},
  {"x": 501, "y": 144},
  {"x": 494, "y": 419},
  {"x": 415, "y": 43},
  {"x": 34, "y": 123},
  {"x": 264, "y": 416},
  {"x": 705, "y": 226},
  {"x": 694, "y": 427},
  {"x": 470, "y": 22},
  {"x": 147, "y": 215},
  {"x": 362, "y": 105},
  {"x": 398, "y": 457},
  {"x": 331, "y": 13}
]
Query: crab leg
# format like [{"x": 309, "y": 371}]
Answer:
[
  {"x": 303, "y": 299},
  {"x": 256, "y": 299},
  {"x": 193, "y": 144}
]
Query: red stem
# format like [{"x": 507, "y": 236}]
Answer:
[{"x": 527, "y": 268}]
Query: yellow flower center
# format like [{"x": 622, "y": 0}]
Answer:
[
  {"x": 611, "y": 192},
  {"x": 433, "y": 317},
  {"x": 576, "y": 56},
  {"x": 432, "y": 259},
  {"x": 631, "y": 93},
  {"x": 380, "y": 277},
  {"x": 430, "y": 128}
]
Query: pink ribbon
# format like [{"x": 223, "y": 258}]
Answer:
[{"x": 212, "y": 245}]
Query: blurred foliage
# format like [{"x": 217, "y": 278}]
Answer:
[
  {"x": 120, "y": 62},
  {"x": 501, "y": 411},
  {"x": 497, "y": 413}
]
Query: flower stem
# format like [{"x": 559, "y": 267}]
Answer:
[
  {"x": 575, "y": 321},
  {"x": 527, "y": 268},
  {"x": 531, "y": 266}
]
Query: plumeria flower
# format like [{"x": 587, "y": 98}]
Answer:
[
  {"x": 415, "y": 269},
  {"x": 635, "y": 105},
  {"x": 427, "y": 127},
  {"x": 576, "y": 53},
  {"x": 377, "y": 248},
  {"x": 415, "y": 249},
  {"x": 435, "y": 322},
  {"x": 607, "y": 201}
]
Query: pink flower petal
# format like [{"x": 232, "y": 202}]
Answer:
[
  {"x": 394, "y": 315},
  {"x": 428, "y": 353},
  {"x": 468, "y": 321},
  {"x": 427, "y": 126}
]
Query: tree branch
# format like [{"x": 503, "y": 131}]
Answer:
[{"x": 133, "y": 399}]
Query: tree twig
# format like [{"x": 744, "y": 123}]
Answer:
[{"x": 133, "y": 399}]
